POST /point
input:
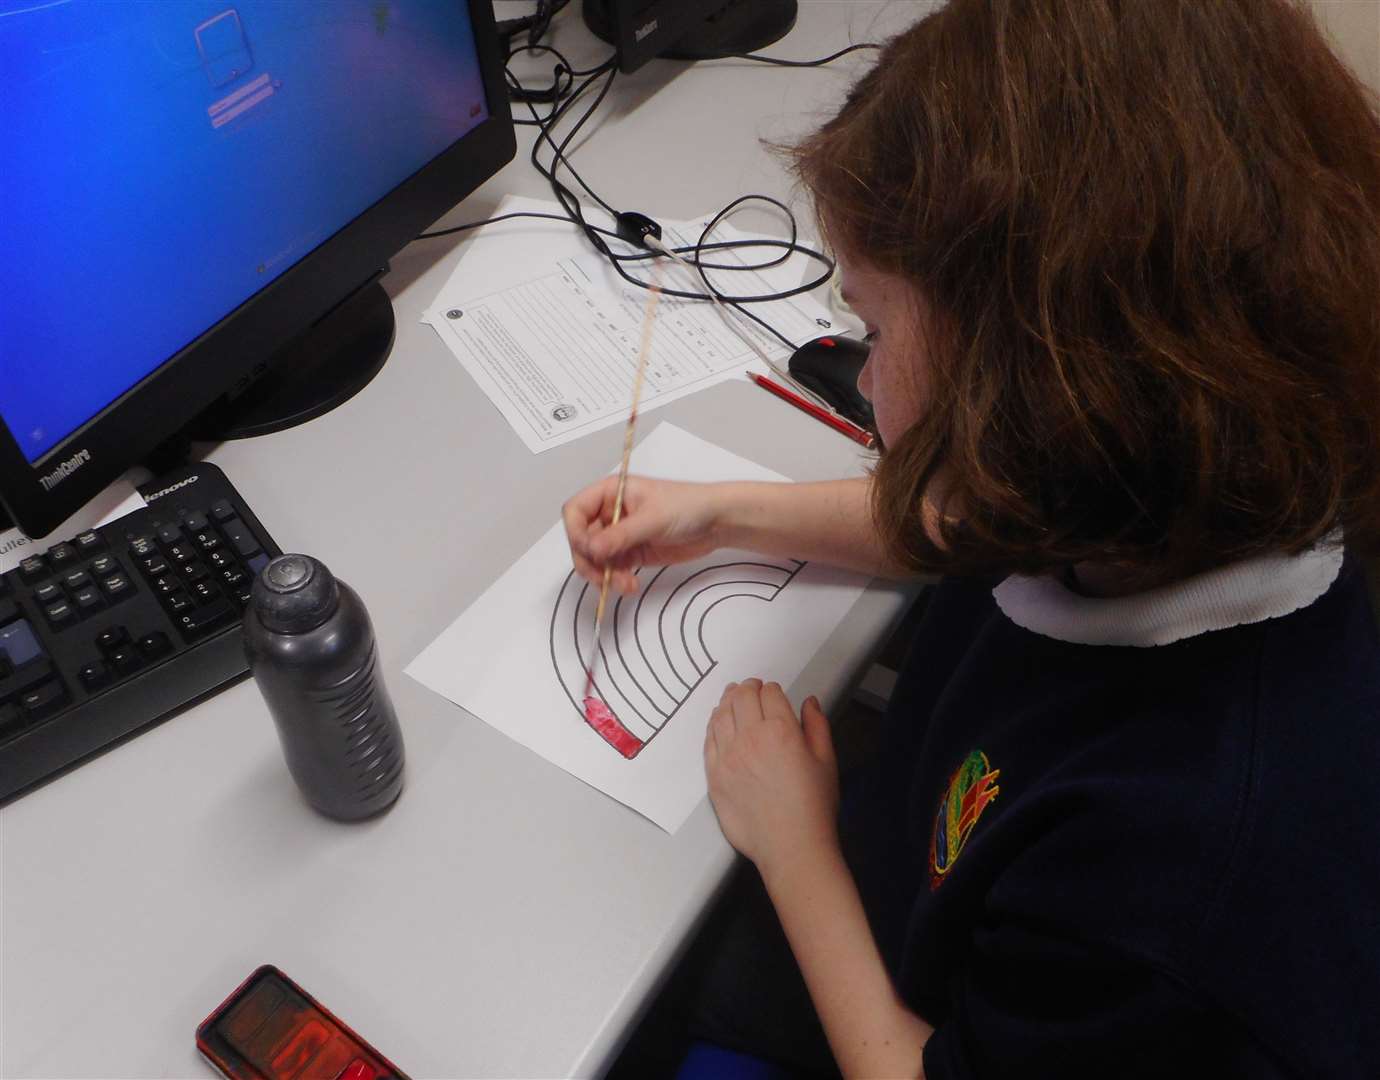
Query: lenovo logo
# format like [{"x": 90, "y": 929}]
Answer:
[
  {"x": 170, "y": 488},
  {"x": 642, "y": 31}
]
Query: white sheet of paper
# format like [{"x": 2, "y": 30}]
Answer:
[
  {"x": 515, "y": 657},
  {"x": 551, "y": 333},
  {"x": 116, "y": 501}
]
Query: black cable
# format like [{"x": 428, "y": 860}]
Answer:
[
  {"x": 564, "y": 95},
  {"x": 558, "y": 151},
  {"x": 535, "y": 24},
  {"x": 546, "y": 11},
  {"x": 504, "y": 217},
  {"x": 594, "y": 106},
  {"x": 542, "y": 124},
  {"x": 800, "y": 63},
  {"x": 787, "y": 246},
  {"x": 563, "y": 77}
]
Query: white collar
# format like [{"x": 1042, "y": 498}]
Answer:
[{"x": 1250, "y": 591}]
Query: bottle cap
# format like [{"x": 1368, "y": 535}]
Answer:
[{"x": 294, "y": 594}]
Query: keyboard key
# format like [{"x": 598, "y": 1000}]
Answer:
[
  {"x": 19, "y": 643},
  {"x": 60, "y": 614},
  {"x": 94, "y": 676},
  {"x": 88, "y": 600},
  {"x": 234, "y": 577},
  {"x": 195, "y": 521},
  {"x": 104, "y": 564},
  {"x": 178, "y": 602},
  {"x": 26, "y": 677},
  {"x": 117, "y": 586},
  {"x": 33, "y": 568},
  {"x": 220, "y": 559},
  {"x": 200, "y": 620},
  {"x": 167, "y": 584},
  {"x": 143, "y": 547},
  {"x": 195, "y": 571},
  {"x": 204, "y": 592},
  {"x": 221, "y": 510},
  {"x": 169, "y": 534},
  {"x": 47, "y": 593},
  {"x": 76, "y": 579},
  {"x": 181, "y": 553},
  {"x": 155, "y": 566},
  {"x": 154, "y": 645},
  {"x": 62, "y": 557},
  {"x": 207, "y": 541},
  {"x": 9, "y": 611},
  {"x": 242, "y": 539},
  {"x": 42, "y": 700},
  {"x": 110, "y": 640},
  {"x": 89, "y": 542},
  {"x": 5, "y": 586},
  {"x": 126, "y": 660},
  {"x": 12, "y": 718}
]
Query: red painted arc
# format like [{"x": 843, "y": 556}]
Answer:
[{"x": 610, "y": 728}]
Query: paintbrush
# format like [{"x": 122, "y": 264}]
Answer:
[{"x": 648, "y": 314}]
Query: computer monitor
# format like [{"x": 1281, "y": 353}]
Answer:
[
  {"x": 193, "y": 191},
  {"x": 687, "y": 29}
]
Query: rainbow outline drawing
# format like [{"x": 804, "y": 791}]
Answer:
[{"x": 653, "y": 652}]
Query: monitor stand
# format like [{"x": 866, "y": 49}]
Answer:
[
  {"x": 738, "y": 26},
  {"x": 323, "y": 368}
]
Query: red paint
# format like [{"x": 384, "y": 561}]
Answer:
[
  {"x": 301, "y": 1047},
  {"x": 828, "y": 342},
  {"x": 270, "y": 1029},
  {"x": 610, "y": 729}
]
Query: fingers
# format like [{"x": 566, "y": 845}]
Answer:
[
  {"x": 818, "y": 737},
  {"x": 775, "y": 705},
  {"x": 636, "y": 527},
  {"x": 746, "y": 702},
  {"x": 722, "y": 725},
  {"x": 582, "y": 514},
  {"x": 596, "y": 542}
]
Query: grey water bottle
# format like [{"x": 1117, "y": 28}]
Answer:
[{"x": 311, "y": 649}]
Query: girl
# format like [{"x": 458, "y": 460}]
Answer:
[{"x": 1119, "y": 261}]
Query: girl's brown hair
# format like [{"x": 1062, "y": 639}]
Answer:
[{"x": 1149, "y": 232}]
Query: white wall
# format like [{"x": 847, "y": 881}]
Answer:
[{"x": 1354, "y": 27}]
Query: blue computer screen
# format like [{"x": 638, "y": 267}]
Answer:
[{"x": 163, "y": 160}]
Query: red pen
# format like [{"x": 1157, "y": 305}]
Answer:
[{"x": 838, "y": 423}]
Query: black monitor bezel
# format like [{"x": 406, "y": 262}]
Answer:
[{"x": 157, "y": 407}]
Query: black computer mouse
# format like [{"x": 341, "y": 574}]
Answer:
[{"x": 830, "y": 366}]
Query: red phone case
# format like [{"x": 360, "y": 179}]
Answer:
[{"x": 272, "y": 1029}]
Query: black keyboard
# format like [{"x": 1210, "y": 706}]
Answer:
[{"x": 119, "y": 627}]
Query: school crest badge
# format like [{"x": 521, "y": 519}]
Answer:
[{"x": 971, "y": 788}]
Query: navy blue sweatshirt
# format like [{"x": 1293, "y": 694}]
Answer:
[{"x": 1121, "y": 860}]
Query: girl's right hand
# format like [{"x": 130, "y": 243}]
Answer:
[{"x": 662, "y": 522}]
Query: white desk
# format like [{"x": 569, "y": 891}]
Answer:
[{"x": 503, "y": 919}]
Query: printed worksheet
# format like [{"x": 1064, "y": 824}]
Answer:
[
  {"x": 551, "y": 333},
  {"x": 516, "y": 658}
]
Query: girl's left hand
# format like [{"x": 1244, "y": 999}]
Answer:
[{"x": 773, "y": 780}]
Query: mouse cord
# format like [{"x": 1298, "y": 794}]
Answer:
[
  {"x": 801, "y": 63},
  {"x": 654, "y": 242},
  {"x": 633, "y": 227}
]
